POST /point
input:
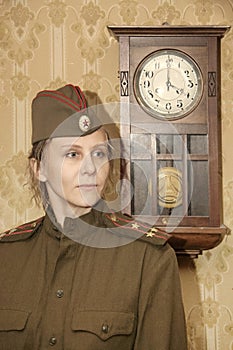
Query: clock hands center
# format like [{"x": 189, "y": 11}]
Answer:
[
  {"x": 168, "y": 82},
  {"x": 172, "y": 83},
  {"x": 169, "y": 85}
]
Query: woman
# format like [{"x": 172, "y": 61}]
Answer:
[{"x": 84, "y": 276}]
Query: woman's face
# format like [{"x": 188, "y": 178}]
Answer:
[{"x": 76, "y": 170}]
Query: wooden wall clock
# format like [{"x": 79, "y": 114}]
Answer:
[{"x": 170, "y": 116}]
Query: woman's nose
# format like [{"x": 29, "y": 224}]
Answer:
[{"x": 88, "y": 165}]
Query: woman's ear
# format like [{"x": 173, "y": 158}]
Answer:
[{"x": 38, "y": 173}]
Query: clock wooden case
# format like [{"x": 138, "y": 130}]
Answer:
[{"x": 170, "y": 122}]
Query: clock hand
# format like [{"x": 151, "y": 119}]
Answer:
[
  {"x": 168, "y": 82},
  {"x": 178, "y": 90}
]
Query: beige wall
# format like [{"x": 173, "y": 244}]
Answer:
[{"x": 44, "y": 44}]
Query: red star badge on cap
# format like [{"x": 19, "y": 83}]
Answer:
[{"x": 84, "y": 123}]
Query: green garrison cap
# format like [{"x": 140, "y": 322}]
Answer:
[{"x": 62, "y": 112}]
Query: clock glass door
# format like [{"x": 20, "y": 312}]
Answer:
[{"x": 169, "y": 174}]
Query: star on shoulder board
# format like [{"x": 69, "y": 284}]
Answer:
[{"x": 143, "y": 230}]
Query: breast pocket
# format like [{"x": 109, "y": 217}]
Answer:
[
  {"x": 108, "y": 329},
  {"x": 12, "y": 326},
  {"x": 13, "y": 320}
]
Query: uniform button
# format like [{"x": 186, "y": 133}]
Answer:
[
  {"x": 105, "y": 328},
  {"x": 60, "y": 293},
  {"x": 52, "y": 341}
]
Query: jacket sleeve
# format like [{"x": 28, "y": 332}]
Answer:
[{"x": 161, "y": 320}]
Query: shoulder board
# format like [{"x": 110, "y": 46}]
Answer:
[
  {"x": 21, "y": 232},
  {"x": 141, "y": 230}
]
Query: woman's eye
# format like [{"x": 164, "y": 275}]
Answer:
[
  {"x": 100, "y": 154},
  {"x": 72, "y": 154}
]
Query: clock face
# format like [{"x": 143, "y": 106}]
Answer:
[{"x": 168, "y": 84}]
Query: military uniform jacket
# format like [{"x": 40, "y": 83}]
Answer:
[{"x": 58, "y": 293}]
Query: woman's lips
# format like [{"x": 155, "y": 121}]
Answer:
[{"x": 87, "y": 186}]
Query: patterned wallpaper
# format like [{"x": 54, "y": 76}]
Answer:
[{"x": 45, "y": 44}]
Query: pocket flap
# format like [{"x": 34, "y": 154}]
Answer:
[
  {"x": 104, "y": 324},
  {"x": 13, "y": 320}
]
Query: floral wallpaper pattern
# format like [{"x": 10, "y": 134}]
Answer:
[{"x": 45, "y": 44}]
